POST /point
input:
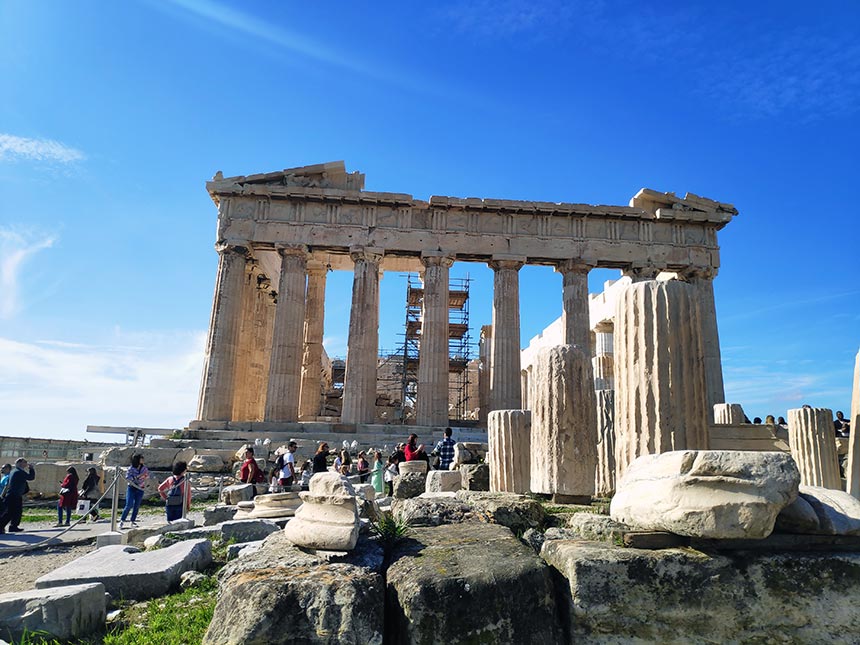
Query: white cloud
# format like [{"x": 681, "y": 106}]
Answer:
[
  {"x": 55, "y": 389},
  {"x": 14, "y": 148},
  {"x": 15, "y": 249}
]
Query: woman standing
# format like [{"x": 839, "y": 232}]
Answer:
[
  {"x": 136, "y": 477},
  {"x": 322, "y": 453},
  {"x": 250, "y": 472},
  {"x": 176, "y": 492},
  {"x": 363, "y": 467},
  {"x": 376, "y": 479},
  {"x": 68, "y": 496},
  {"x": 90, "y": 491}
]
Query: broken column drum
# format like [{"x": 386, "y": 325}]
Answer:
[
  {"x": 660, "y": 396},
  {"x": 728, "y": 414},
  {"x": 813, "y": 446},
  {"x": 564, "y": 423},
  {"x": 509, "y": 456}
]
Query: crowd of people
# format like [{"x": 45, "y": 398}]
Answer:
[{"x": 841, "y": 425}]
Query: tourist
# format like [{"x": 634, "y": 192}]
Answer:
[
  {"x": 68, "y": 496},
  {"x": 413, "y": 451},
  {"x": 176, "y": 492},
  {"x": 757, "y": 421},
  {"x": 307, "y": 473},
  {"x": 90, "y": 491},
  {"x": 250, "y": 472},
  {"x": 4, "y": 477},
  {"x": 13, "y": 495},
  {"x": 444, "y": 450},
  {"x": 343, "y": 459},
  {"x": 344, "y": 472},
  {"x": 320, "y": 458},
  {"x": 378, "y": 468},
  {"x": 391, "y": 471},
  {"x": 136, "y": 477},
  {"x": 841, "y": 425},
  {"x": 781, "y": 421},
  {"x": 769, "y": 420},
  {"x": 398, "y": 452},
  {"x": 363, "y": 467},
  {"x": 288, "y": 470}
]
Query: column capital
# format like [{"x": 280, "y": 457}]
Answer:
[
  {"x": 316, "y": 267},
  {"x": 514, "y": 262},
  {"x": 239, "y": 247},
  {"x": 639, "y": 272},
  {"x": 575, "y": 265},
  {"x": 366, "y": 253},
  {"x": 294, "y": 250},
  {"x": 698, "y": 273},
  {"x": 604, "y": 327},
  {"x": 429, "y": 260}
]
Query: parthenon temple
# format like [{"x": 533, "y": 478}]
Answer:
[{"x": 280, "y": 233}]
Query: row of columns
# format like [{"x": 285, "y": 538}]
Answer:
[{"x": 246, "y": 322}]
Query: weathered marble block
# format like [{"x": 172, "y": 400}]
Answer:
[
  {"x": 728, "y": 414},
  {"x": 604, "y": 475},
  {"x": 232, "y": 495},
  {"x": 564, "y": 423},
  {"x": 414, "y": 466},
  {"x": 328, "y": 518},
  {"x": 509, "y": 455},
  {"x": 811, "y": 437},
  {"x": 275, "y": 505},
  {"x": 443, "y": 481},
  {"x": 720, "y": 494},
  {"x": 821, "y": 511}
]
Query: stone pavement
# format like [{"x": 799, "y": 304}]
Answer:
[{"x": 45, "y": 534}]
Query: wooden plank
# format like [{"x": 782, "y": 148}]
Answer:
[{"x": 654, "y": 540}]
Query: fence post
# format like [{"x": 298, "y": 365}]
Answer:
[{"x": 114, "y": 499}]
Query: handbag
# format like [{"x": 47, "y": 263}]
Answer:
[
  {"x": 65, "y": 491},
  {"x": 174, "y": 495}
]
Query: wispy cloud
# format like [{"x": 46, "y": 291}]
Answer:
[
  {"x": 14, "y": 148},
  {"x": 257, "y": 29},
  {"x": 15, "y": 249},
  {"x": 137, "y": 380}
]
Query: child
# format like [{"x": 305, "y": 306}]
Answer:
[
  {"x": 307, "y": 473},
  {"x": 391, "y": 471}
]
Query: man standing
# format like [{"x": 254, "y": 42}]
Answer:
[
  {"x": 445, "y": 450},
  {"x": 13, "y": 495}
]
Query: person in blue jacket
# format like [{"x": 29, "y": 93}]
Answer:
[{"x": 13, "y": 495}]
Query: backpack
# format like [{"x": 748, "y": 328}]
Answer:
[{"x": 174, "y": 495}]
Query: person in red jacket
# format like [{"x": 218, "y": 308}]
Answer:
[
  {"x": 250, "y": 473},
  {"x": 68, "y": 496},
  {"x": 414, "y": 451}
]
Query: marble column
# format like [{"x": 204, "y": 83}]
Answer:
[
  {"x": 603, "y": 361},
  {"x": 564, "y": 424},
  {"x": 251, "y": 376},
  {"x": 577, "y": 328},
  {"x": 219, "y": 367},
  {"x": 432, "y": 403},
  {"x": 311, "y": 397},
  {"x": 728, "y": 414},
  {"x": 241, "y": 392},
  {"x": 660, "y": 397},
  {"x": 604, "y": 475},
  {"x": 486, "y": 355},
  {"x": 852, "y": 472},
  {"x": 285, "y": 369},
  {"x": 702, "y": 278},
  {"x": 359, "y": 388},
  {"x": 813, "y": 446},
  {"x": 261, "y": 351},
  {"x": 505, "y": 383},
  {"x": 509, "y": 454}
]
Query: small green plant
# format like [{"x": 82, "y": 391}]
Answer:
[{"x": 389, "y": 529}]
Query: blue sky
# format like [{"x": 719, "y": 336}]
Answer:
[{"x": 113, "y": 115}]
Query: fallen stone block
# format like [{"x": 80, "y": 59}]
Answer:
[
  {"x": 469, "y": 583},
  {"x": 247, "y": 530},
  {"x": 414, "y": 466},
  {"x": 821, "y": 511},
  {"x": 518, "y": 512},
  {"x": 328, "y": 518},
  {"x": 238, "y": 550},
  {"x": 409, "y": 485},
  {"x": 232, "y": 495},
  {"x": 217, "y": 514},
  {"x": 432, "y": 510},
  {"x": 139, "y": 535},
  {"x": 443, "y": 481},
  {"x": 63, "y": 613},
  {"x": 718, "y": 494},
  {"x": 475, "y": 477},
  {"x": 130, "y": 574},
  {"x": 207, "y": 464}
]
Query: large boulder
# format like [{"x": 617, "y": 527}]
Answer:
[
  {"x": 207, "y": 464},
  {"x": 409, "y": 485},
  {"x": 684, "y": 596},
  {"x": 216, "y": 514},
  {"x": 281, "y": 594},
  {"x": 443, "y": 481},
  {"x": 821, "y": 511},
  {"x": 247, "y": 530},
  {"x": 232, "y": 495},
  {"x": 468, "y": 583},
  {"x": 719, "y": 494},
  {"x": 128, "y": 573},
  {"x": 63, "y": 613},
  {"x": 518, "y": 512},
  {"x": 328, "y": 518},
  {"x": 414, "y": 466}
]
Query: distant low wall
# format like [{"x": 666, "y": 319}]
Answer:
[{"x": 33, "y": 449}]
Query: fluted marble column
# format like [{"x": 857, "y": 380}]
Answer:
[
  {"x": 219, "y": 367},
  {"x": 728, "y": 414},
  {"x": 564, "y": 424},
  {"x": 575, "y": 304},
  {"x": 432, "y": 403},
  {"x": 603, "y": 361},
  {"x": 252, "y": 375},
  {"x": 813, "y": 446},
  {"x": 486, "y": 356},
  {"x": 853, "y": 470},
  {"x": 285, "y": 370},
  {"x": 243, "y": 346},
  {"x": 509, "y": 455},
  {"x": 505, "y": 382},
  {"x": 702, "y": 278},
  {"x": 311, "y": 397},
  {"x": 660, "y": 398},
  {"x": 261, "y": 350},
  {"x": 359, "y": 388},
  {"x": 604, "y": 475}
]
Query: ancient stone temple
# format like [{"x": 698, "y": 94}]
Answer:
[{"x": 280, "y": 233}]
